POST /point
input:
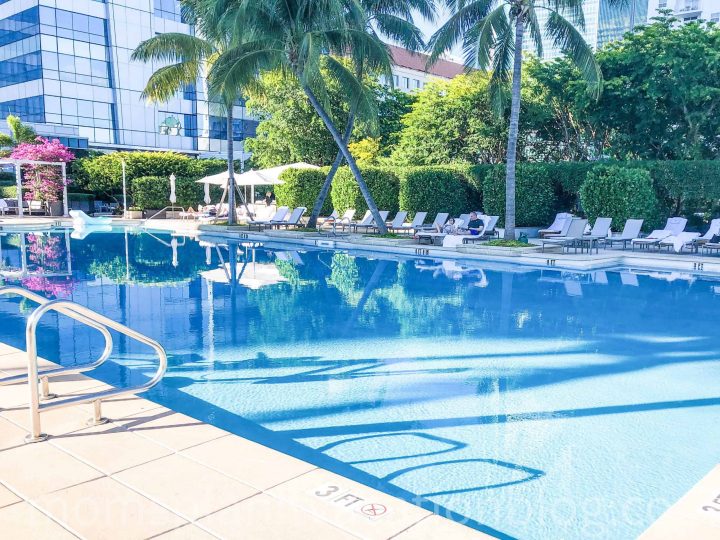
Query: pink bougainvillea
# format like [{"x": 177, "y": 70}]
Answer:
[
  {"x": 45, "y": 256},
  {"x": 43, "y": 182}
]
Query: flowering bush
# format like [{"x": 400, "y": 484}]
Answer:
[
  {"x": 43, "y": 182},
  {"x": 45, "y": 255}
]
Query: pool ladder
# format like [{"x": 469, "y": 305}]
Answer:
[{"x": 37, "y": 378}]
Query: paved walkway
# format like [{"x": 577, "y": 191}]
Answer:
[{"x": 155, "y": 473}]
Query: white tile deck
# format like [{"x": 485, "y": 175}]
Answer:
[{"x": 155, "y": 473}]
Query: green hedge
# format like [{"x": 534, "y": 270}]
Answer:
[
  {"x": 621, "y": 193},
  {"x": 301, "y": 188},
  {"x": 535, "y": 197},
  {"x": 436, "y": 189},
  {"x": 384, "y": 186},
  {"x": 152, "y": 192},
  {"x": 8, "y": 192},
  {"x": 104, "y": 173}
]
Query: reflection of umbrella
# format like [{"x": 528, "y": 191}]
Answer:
[{"x": 253, "y": 276}]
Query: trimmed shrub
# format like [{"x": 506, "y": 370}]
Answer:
[
  {"x": 568, "y": 176},
  {"x": 535, "y": 200},
  {"x": 620, "y": 193},
  {"x": 104, "y": 173},
  {"x": 383, "y": 184},
  {"x": 435, "y": 189},
  {"x": 476, "y": 175},
  {"x": 8, "y": 192},
  {"x": 152, "y": 192},
  {"x": 301, "y": 188}
]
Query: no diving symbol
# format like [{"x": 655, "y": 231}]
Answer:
[{"x": 373, "y": 509}]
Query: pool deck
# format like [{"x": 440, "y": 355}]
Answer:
[{"x": 154, "y": 473}]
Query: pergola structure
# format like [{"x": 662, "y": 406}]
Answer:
[{"x": 18, "y": 163}]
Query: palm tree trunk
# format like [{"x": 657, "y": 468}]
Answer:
[
  {"x": 231, "y": 166},
  {"x": 382, "y": 228},
  {"x": 513, "y": 132},
  {"x": 325, "y": 190}
]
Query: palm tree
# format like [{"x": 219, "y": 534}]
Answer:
[
  {"x": 394, "y": 19},
  {"x": 19, "y": 132},
  {"x": 188, "y": 58},
  {"x": 298, "y": 38},
  {"x": 492, "y": 32}
]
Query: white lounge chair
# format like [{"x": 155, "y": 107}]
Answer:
[
  {"x": 293, "y": 220},
  {"x": 81, "y": 220},
  {"x": 713, "y": 230},
  {"x": 678, "y": 241},
  {"x": 630, "y": 232},
  {"x": 487, "y": 232},
  {"x": 558, "y": 225},
  {"x": 673, "y": 227},
  {"x": 366, "y": 220},
  {"x": 440, "y": 220},
  {"x": 397, "y": 221},
  {"x": 417, "y": 222},
  {"x": 371, "y": 224},
  {"x": 278, "y": 218},
  {"x": 575, "y": 232}
]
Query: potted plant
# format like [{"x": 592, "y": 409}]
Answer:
[{"x": 133, "y": 212}]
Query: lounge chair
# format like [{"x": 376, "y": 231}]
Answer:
[
  {"x": 366, "y": 220},
  {"x": 433, "y": 236},
  {"x": 416, "y": 224},
  {"x": 397, "y": 221},
  {"x": 558, "y": 226},
  {"x": 82, "y": 220},
  {"x": 334, "y": 219},
  {"x": 575, "y": 232},
  {"x": 598, "y": 233},
  {"x": 630, "y": 232},
  {"x": 440, "y": 220},
  {"x": 293, "y": 220},
  {"x": 278, "y": 218},
  {"x": 673, "y": 227},
  {"x": 487, "y": 232},
  {"x": 679, "y": 241},
  {"x": 371, "y": 224},
  {"x": 713, "y": 230}
]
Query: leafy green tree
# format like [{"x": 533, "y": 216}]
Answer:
[
  {"x": 19, "y": 132},
  {"x": 291, "y": 131},
  {"x": 187, "y": 58},
  {"x": 662, "y": 92},
  {"x": 492, "y": 33},
  {"x": 297, "y": 39},
  {"x": 452, "y": 121},
  {"x": 393, "y": 18}
]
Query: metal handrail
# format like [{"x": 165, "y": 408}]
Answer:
[
  {"x": 46, "y": 373},
  {"x": 82, "y": 314}
]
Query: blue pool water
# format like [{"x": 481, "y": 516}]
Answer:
[{"x": 527, "y": 403}]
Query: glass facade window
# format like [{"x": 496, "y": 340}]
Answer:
[
  {"x": 218, "y": 128},
  {"x": 74, "y": 47},
  {"x": 19, "y": 26},
  {"x": 30, "y": 109},
  {"x": 190, "y": 128},
  {"x": 615, "y": 20},
  {"x": 21, "y": 69},
  {"x": 168, "y": 9},
  {"x": 73, "y": 142}
]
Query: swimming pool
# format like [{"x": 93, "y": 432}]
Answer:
[{"x": 528, "y": 403}]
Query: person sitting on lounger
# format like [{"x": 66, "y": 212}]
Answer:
[
  {"x": 475, "y": 225},
  {"x": 448, "y": 228}
]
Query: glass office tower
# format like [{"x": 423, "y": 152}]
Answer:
[
  {"x": 65, "y": 67},
  {"x": 605, "y": 21}
]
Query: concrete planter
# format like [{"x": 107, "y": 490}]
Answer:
[
  {"x": 531, "y": 232},
  {"x": 56, "y": 208},
  {"x": 133, "y": 214}
]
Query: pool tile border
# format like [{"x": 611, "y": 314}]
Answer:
[{"x": 75, "y": 485}]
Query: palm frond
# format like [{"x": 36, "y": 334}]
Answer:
[
  {"x": 571, "y": 42},
  {"x": 173, "y": 47},
  {"x": 465, "y": 16}
]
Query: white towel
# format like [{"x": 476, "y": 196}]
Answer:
[{"x": 680, "y": 240}]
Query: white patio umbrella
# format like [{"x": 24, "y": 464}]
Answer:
[
  {"x": 173, "y": 197},
  {"x": 252, "y": 178},
  {"x": 207, "y": 198}
]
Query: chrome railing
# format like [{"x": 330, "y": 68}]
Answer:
[{"x": 94, "y": 320}]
